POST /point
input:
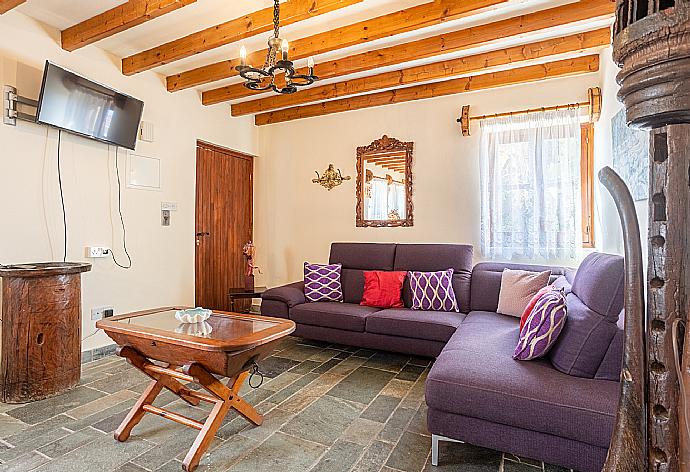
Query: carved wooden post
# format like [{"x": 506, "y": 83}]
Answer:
[{"x": 652, "y": 45}]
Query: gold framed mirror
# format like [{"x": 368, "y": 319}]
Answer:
[{"x": 384, "y": 183}]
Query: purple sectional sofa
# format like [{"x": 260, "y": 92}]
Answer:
[{"x": 559, "y": 409}]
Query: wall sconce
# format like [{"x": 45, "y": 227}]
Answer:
[{"x": 331, "y": 178}]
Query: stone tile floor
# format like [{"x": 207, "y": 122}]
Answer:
[{"x": 327, "y": 408}]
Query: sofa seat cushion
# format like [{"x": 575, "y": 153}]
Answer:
[
  {"x": 416, "y": 324},
  {"x": 346, "y": 316},
  {"x": 476, "y": 376}
]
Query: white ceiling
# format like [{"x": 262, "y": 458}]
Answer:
[{"x": 60, "y": 14}]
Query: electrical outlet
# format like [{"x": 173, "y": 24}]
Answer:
[
  {"x": 102, "y": 312},
  {"x": 97, "y": 251}
]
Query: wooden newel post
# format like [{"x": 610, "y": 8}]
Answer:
[{"x": 652, "y": 45}]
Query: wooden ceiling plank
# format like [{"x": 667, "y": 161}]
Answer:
[
  {"x": 428, "y": 72},
  {"x": 116, "y": 20},
  {"x": 563, "y": 68},
  {"x": 437, "y": 45},
  {"x": 410, "y": 19},
  {"x": 7, "y": 5},
  {"x": 229, "y": 32}
]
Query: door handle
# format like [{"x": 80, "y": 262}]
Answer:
[{"x": 206, "y": 233}]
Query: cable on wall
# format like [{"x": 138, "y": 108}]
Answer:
[
  {"x": 62, "y": 197},
  {"x": 122, "y": 219}
]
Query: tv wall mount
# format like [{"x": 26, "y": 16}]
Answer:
[{"x": 11, "y": 102}]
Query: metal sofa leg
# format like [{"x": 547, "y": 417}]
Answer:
[{"x": 435, "y": 439}]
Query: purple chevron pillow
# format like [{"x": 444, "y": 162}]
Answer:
[
  {"x": 433, "y": 291},
  {"x": 542, "y": 327},
  {"x": 322, "y": 282}
]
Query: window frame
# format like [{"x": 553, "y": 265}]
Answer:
[{"x": 587, "y": 183}]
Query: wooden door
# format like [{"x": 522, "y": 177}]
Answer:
[{"x": 224, "y": 222}]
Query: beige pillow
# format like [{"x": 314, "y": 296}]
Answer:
[{"x": 517, "y": 289}]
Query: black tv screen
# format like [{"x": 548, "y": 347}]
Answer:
[{"x": 78, "y": 105}]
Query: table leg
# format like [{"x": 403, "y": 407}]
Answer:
[{"x": 137, "y": 412}]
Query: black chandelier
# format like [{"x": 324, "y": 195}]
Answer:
[{"x": 277, "y": 48}]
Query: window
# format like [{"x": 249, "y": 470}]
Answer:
[{"x": 537, "y": 179}]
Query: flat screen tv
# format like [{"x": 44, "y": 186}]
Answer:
[{"x": 73, "y": 103}]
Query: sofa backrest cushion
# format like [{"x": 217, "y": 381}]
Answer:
[
  {"x": 486, "y": 281},
  {"x": 610, "y": 368},
  {"x": 355, "y": 259},
  {"x": 434, "y": 258},
  {"x": 594, "y": 308}
]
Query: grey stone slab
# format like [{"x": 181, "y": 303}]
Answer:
[
  {"x": 396, "y": 425},
  {"x": 374, "y": 457},
  {"x": 314, "y": 343},
  {"x": 36, "y": 412},
  {"x": 326, "y": 366},
  {"x": 224, "y": 455},
  {"x": 273, "y": 421},
  {"x": 71, "y": 442},
  {"x": 509, "y": 466},
  {"x": 281, "y": 381},
  {"x": 110, "y": 424},
  {"x": 365, "y": 353},
  {"x": 101, "y": 404},
  {"x": 348, "y": 366},
  {"x": 24, "y": 463},
  {"x": 47, "y": 426},
  {"x": 362, "y": 431},
  {"x": 324, "y": 355},
  {"x": 273, "y": 366},
  {"x": 32, "y": 443},
  {"x": 362, "y": 385},
  {"x": 129, "y": 467},
  {"x": 120, "y": 409},
  {"x": 10, "y": 426},
  {"x": 323, "y": 421},
  {"x": 109, "y": 455},
  {"x": 281, "y": 452},
  {"x": 418, "y": 422},
  {"x": 175, "y": 444},
  {"x": 120, "y": 381},
  {"x": 381, "y": 408},
  {"x": 410, "y": 453},
  {"x": 340, "y": 457},
  {"x": 465, "y": 457},
  {"x": 410, "y": 372},
  {"x": 555, "y": 468},
  {"x": 305, "y": 367},
  {"x": 508, "y": 457},
  {"x": 387, "y": 361},
  {"x": 343, "y": 355},
  {"x": 293, "y": 388},
  {"x": 300, "y": 352}
]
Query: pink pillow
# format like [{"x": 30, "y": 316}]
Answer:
[{"x": 530, "y": 305}]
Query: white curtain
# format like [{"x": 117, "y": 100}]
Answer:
[
  {"x": 396, "y": 199},
  {"x": 378, "y": 203},
  {"x": 530, "y": 186}
]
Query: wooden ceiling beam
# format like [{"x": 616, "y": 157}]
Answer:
[
  {"x": 583, "y": 10},
  {"x": 429, "y": 72},
  {"x": 229, "y": 32},
  {"x": 7, "y": 5},
  {"x": 567, "y": 67},
  {"x": 116, "y": 20},
  {"x": 402, "y": 21}
]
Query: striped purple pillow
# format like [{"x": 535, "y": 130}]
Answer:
[
  {"x": 322, "y": 282},
  {"x": 542, "y": 327},
  {"x": 433, "y": 291}
]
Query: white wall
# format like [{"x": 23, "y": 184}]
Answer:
[
  {"x": 608, "y": 229},
  {"x": 297, "y": 220},
  {"x": 30, "y": 215}
]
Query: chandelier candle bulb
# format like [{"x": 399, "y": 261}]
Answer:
[
  {"x": 285, "y": 47},
  {"x": 243, "y": 56},
  {"x": 310, "y": 65}
]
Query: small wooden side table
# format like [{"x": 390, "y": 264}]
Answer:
[
  {"x": 227, "y": 344},
  {"x": 40, "y": 343},
  {"x": 238, "y": 293}
]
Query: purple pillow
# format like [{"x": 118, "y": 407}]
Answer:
[
  {"x": 322, "y": 282},
  {"x": 433, "y": 291},
  {"x": 542, "y": 327}
]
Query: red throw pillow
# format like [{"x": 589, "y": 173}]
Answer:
[
  {"x": 383, "y": 289},
  {"x": 532, "y": 302}
]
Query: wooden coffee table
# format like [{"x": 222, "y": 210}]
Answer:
[{"x": 227, "y": 345}]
